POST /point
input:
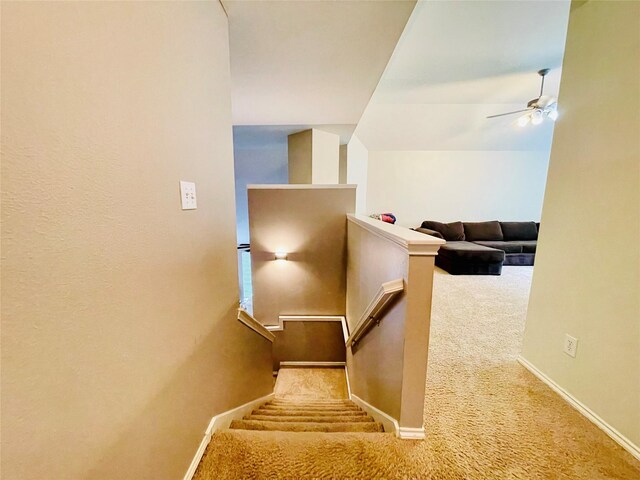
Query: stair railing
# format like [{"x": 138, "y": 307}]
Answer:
[
  {"x": 375, "y": 310},
  {"x": 246, "y": 318}
]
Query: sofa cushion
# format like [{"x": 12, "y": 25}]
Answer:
[
  {"x": 474, "y": 231},
  {"x": 506, "y": 247},
  {"x": 452, "y": 232},
  {"x": 528, "y": 246},
  {"x": 471, "y": 252},
  {"x": 519, "y": 230},
  {"x": 427, "y": 231}
]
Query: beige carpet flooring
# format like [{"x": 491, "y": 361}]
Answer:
[
  {"x": 486, "y": 417},
  {"x": 311, "y": 383}
]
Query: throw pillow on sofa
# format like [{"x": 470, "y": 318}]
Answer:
[
  {"x": 452, "y": 232},
  {"x": 482, "y": 231},
  {"x": 519, "y": 231}
]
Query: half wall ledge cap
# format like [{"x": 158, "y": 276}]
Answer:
[
  {"x": 299, "y": 186},
  {"x": 414, "y": 243}
]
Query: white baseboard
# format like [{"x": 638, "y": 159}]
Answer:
[
  {"x": 407, "y": 433},
  {"x": 619, "y": 438},
  {"x": 390, "y": 424},
  {"x": 346, "y": 374},
  {"x": 220, "y": 421},
  {"x": 312, "y": 364}
]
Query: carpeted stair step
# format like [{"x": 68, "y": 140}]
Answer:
[
  {"x": 288, "y": 401},
  {"x": 311, "y": 418},
  {"x": 312, "y": 408},
  {"x": 334, "y": 406},
  {"x": 304, "y": 412},
  {"x": 310, "y": 403},
  {"x": 369, "y": 427}
]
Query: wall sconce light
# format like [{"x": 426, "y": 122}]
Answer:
[{"x": 281, "y": 255}]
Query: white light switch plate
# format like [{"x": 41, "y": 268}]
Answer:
[{"x": 188, "y": 195}]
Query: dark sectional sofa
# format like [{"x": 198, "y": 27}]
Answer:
[{"x": 482, "y": 248}]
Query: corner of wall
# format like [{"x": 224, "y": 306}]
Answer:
[{"x": 357, "y": 168}]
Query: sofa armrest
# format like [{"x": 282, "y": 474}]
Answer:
[{"x": 426, "y": 231}]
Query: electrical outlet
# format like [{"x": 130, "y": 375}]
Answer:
[
  {"x": 570, "y": 345},
  {"x": 188, "y": 195}
]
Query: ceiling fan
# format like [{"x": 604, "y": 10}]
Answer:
[{"x": 544, "y": 106}]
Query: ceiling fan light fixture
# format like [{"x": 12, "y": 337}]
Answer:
[
  {"x": 539, "y": 108},
  {"x": 523, "y": 121},
  {"x": 537, "y": 117}
]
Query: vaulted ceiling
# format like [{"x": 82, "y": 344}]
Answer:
[
  {"x": 309, "y": 62},
  {"x": 459, "y": 61}
]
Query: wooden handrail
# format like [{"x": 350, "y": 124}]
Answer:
[
  {"x": 374, "y": 311},
  {"x": 310, "y": 318},
  {"x": 246, "y": 318}
]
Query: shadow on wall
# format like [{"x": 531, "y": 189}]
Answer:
[
  {"x": 309, "y": 342},
  {"x": 161, "y": 441},
  {"x": 260, "y": 165}
]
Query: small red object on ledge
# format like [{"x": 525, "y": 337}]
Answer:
[{"x": 385, "y": 217}]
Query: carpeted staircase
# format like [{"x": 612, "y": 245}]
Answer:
[
  {"x": 327, "y": 415},
  {"x": 300, "y": 433}
]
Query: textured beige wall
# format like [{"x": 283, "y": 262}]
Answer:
[
  {"x": 388, "y": 366},
  {"x": 357, "y": 164},
  {"x": 312, "y": 341},
  {"x": 309, "y": 222},
  {"x": 342, "y": 174},
  {"x": 325, "y": 158},
  {"x": 375, "y": 364},
  {"x": 300, "y": 155},
  {"x": 314, "y": 157},
  {"x": 119, "y": 338},
  {"x": 416, "y": 339},
  {"x": 587, "y": 275}
]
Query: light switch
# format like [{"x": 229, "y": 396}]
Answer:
[{"x": 188, "y": 194}]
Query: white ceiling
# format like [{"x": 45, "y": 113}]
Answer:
[
  {"x": 459, "y": 61},
  {"x": 309, "y": 62}
]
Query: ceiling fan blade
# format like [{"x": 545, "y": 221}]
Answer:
[{"x": 509, "y": 113}]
